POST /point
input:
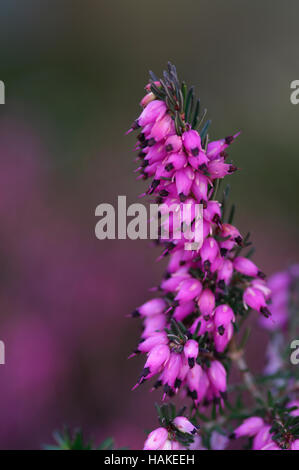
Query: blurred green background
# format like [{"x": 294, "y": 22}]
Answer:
[{"x": 74, "y": 73}]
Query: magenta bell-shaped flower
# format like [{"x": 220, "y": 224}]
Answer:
[
  {"x": 225, "y": 272},
  {"x": 217, "y": 376},
  {"x": 184, "y": 425},
  {"x": 156, "y": 439},
  {"x": 173, "y": 143},
  {"x": 188, "y": 290},
  {"x": 245, "y": 266},
  {"x": 255, "y": 299},
  {"x": 154, "y": 110},
  {"x": 191, "y": 352},
  {"x": 206, "y": 302},
  {"x": 192, "y": 142},
  {"x": 223, "y": 316},
  {"x": 209, "y": 250},
  {"x": 249, "y": 427},
  {"x": 158, "y": 356},
  {"x": 163, "y": 127},
  {"x": 184, "y": 180},
  {"x": 151, "y": 307},
  {"x": 200, "y": 187}
]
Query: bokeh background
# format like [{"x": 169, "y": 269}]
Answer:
[{"x": 74, "y": 72}]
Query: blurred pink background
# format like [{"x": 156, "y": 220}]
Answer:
[{"x": 74, "y": 73}]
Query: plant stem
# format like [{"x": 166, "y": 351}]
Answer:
[{"x": 237, "y": 356}]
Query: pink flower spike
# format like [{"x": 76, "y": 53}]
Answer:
[
  {"x": 199, "y": 161},
  {"x": 171, "y": 372},
  {"x": 271, "y": 446},
  {"x": 175, "y": 161}
]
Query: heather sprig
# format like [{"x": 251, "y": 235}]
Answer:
[{"x": 189, "y": 329}]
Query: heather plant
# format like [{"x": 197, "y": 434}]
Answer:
[{"x": 195, "y": 328}]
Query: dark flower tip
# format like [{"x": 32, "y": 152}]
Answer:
[
  {"x": 135, "y": 314},
  {"x": 265, "y": 311}
]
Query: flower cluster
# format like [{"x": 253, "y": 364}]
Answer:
[
  {"x": 284, "y": 286},
  {"x": 188, "y": 327},
  {"x": 268, "y": 434},
  {"x": 176, "y": 432}
]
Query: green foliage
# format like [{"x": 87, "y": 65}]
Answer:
[
  {"x": 185, "y": 110},
  {"x": 74, "y": 440}
]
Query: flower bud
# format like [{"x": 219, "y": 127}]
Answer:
[
  {"x": 175, "y": 161},
  {"x": 156, "y": 439},
  {"x": 184, "y": 425},
  {"x": 217, "y": 376},
  {"x": 184, "y": 180},
  {"x": 228, "y": 230},
  {"x": 153, "y": 111},
  {"x": 209, "y": 250},
  {"x": 154, "y": 340},
  {"x": 255, "y": 299},
  {"x": 223, "y": 316},
  {"x": 188, "y": 290},
  {"x": 147, "y": 99},
  {"x": 198, "y": 161},
  {"x": 173, "y": 143},
  {"x": 245, "y": 266},
  {"x": 212, "y": 213},
  {"x": 262, "y": 438},
  {"x": 183, "y": 310},
  {"x": 206, "y": 302},
  {"x": 158, "y": 356},
  {"x": 200, "y": 187},
  {"x": 162, "y": 127},
  {"x": 249, "y": 427},
  {"x": 152, "y": 324},
  {"x": 151, "y": 307},
  {"x": 225, "y": 272}
]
